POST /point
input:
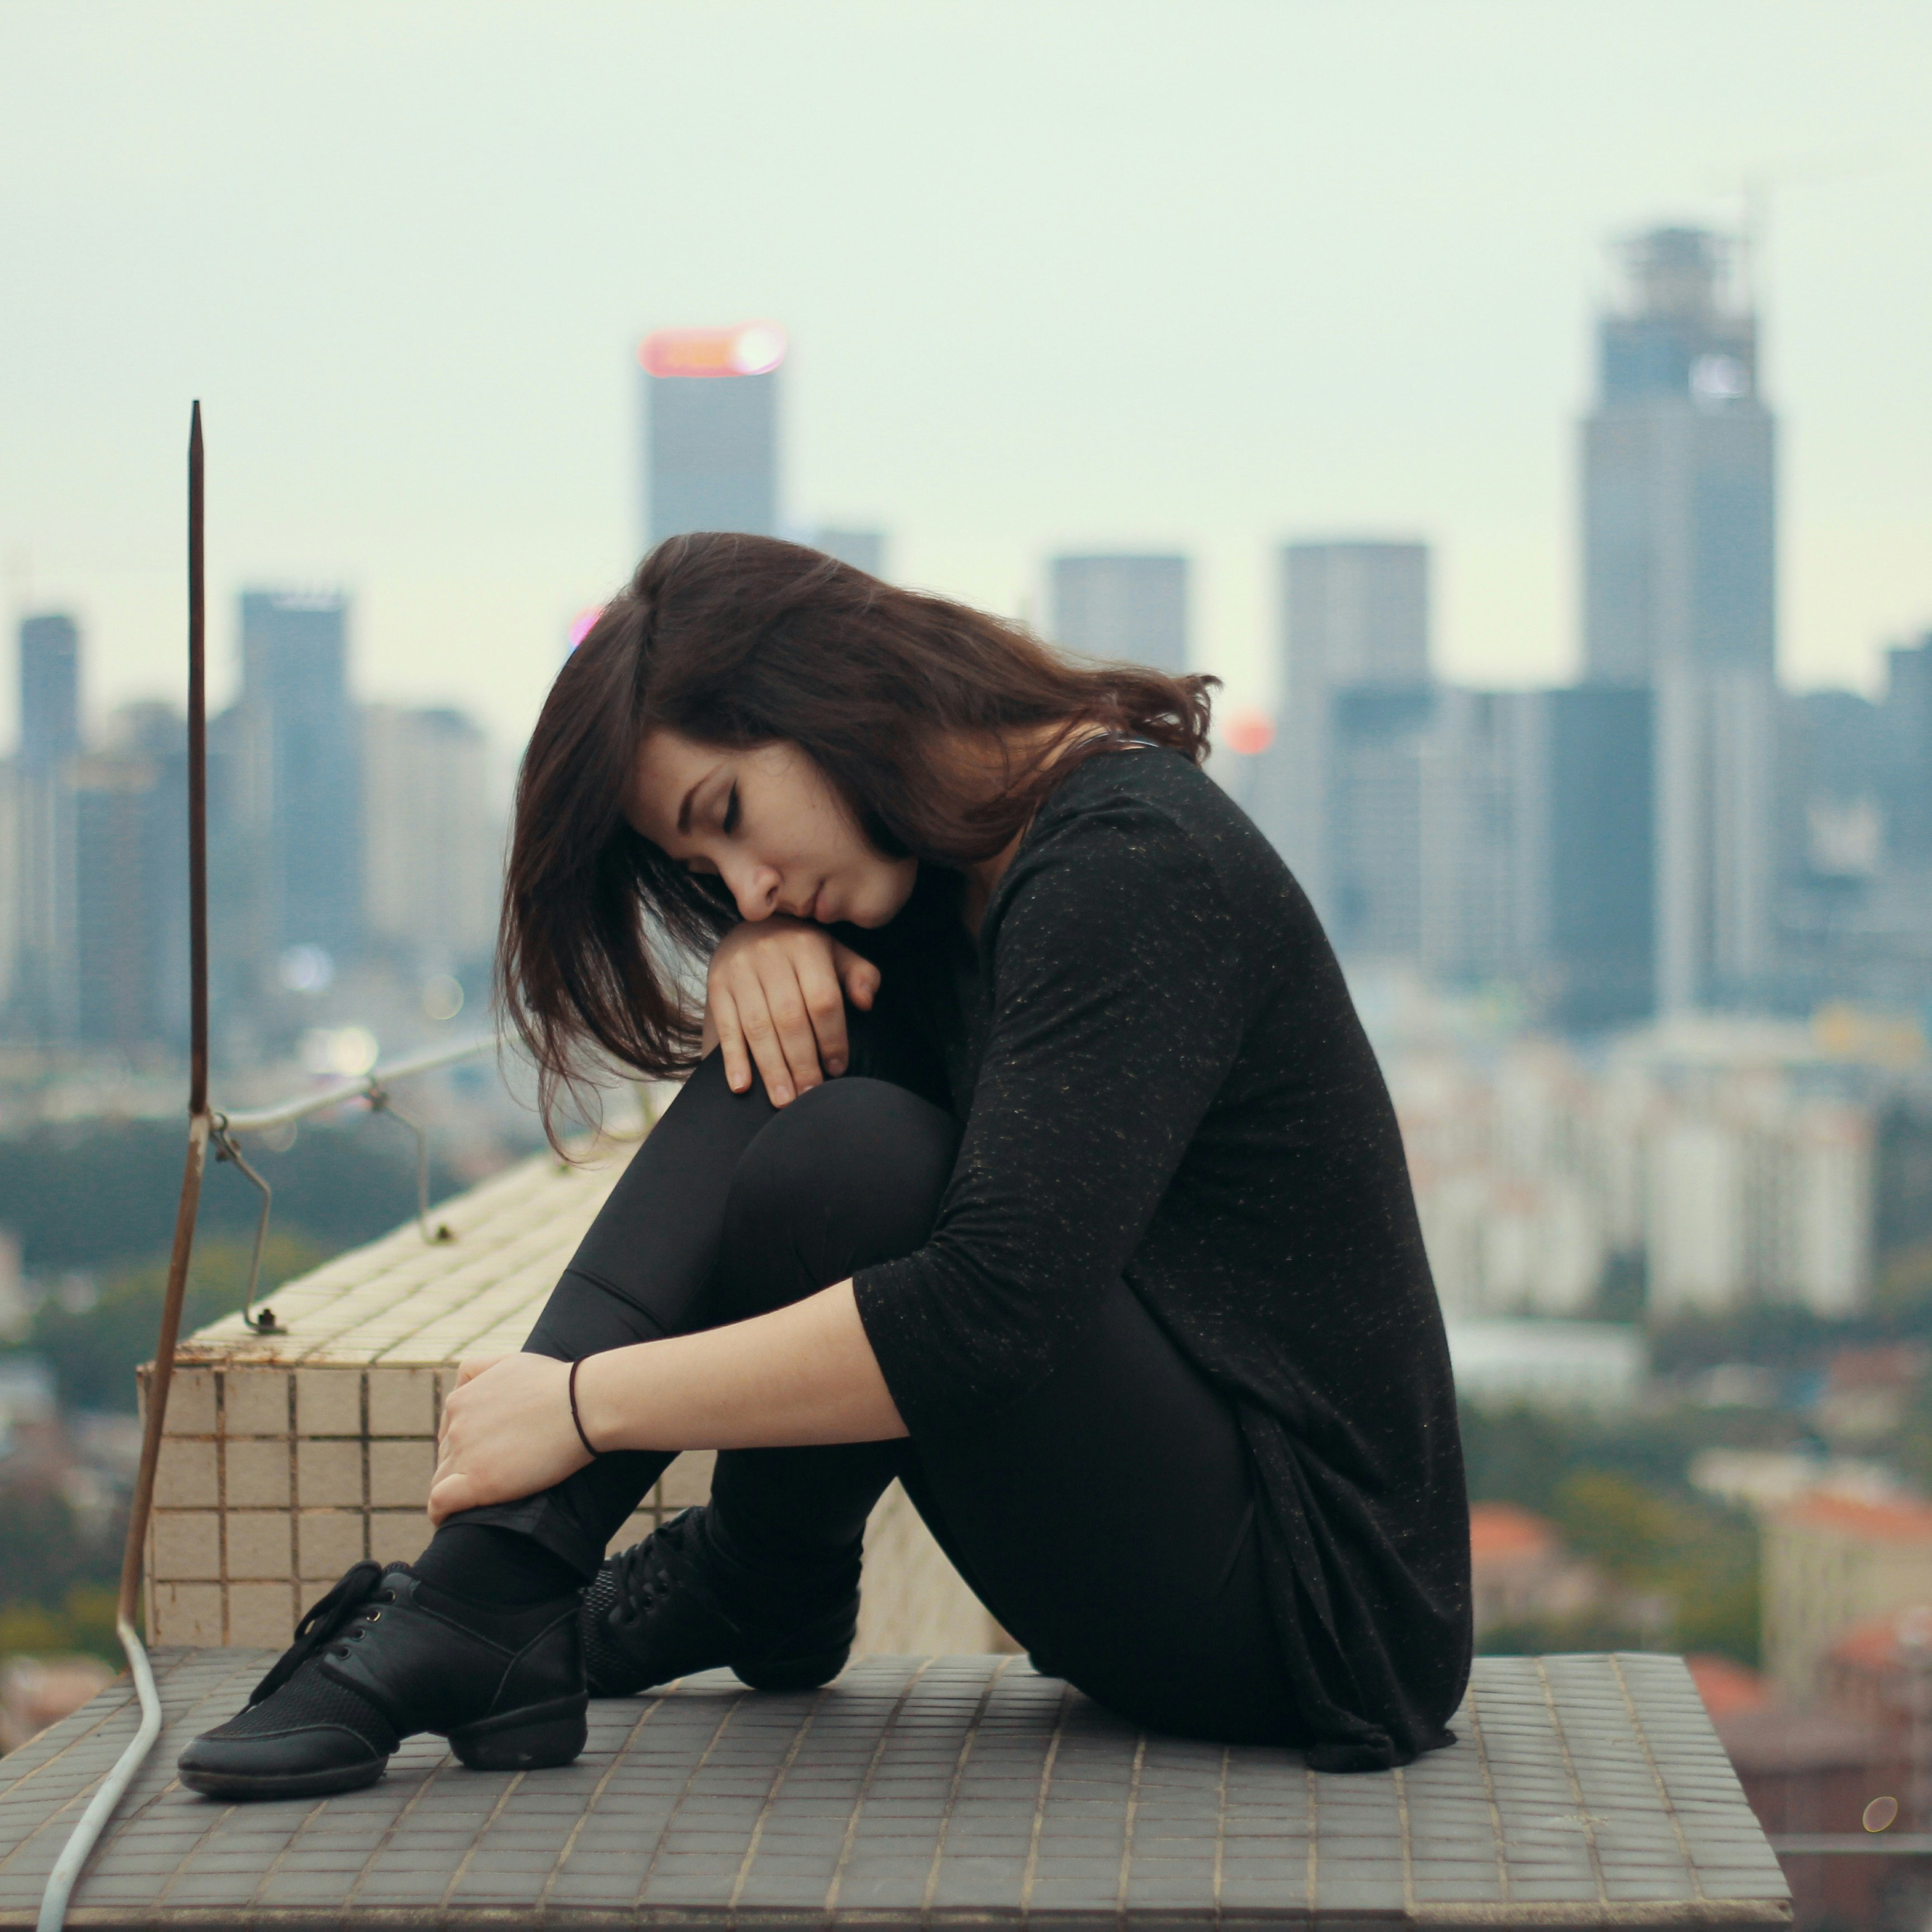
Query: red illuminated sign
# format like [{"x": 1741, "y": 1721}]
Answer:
[{"x": 751, "y": 349}]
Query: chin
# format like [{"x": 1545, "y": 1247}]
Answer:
[{"x": 882, "y": 904}]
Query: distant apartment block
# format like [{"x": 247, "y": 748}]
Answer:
[
  {"x": 1714, "y": 1162},
  {"x": 1128, "y": 607},
  {"x": 434, "y": 856},
  {"x": 710, "y": 430},
  {"x": 1831, "y": 1563}
]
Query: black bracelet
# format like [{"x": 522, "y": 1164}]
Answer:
[{"x": 575, "y": 1418}]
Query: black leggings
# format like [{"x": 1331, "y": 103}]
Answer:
[{"x": 1105, "y": 1519}]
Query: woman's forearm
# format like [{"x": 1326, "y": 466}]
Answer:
[{"x": 802, "y": 1375}]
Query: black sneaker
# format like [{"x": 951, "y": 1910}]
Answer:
[
  {"x": 385, "y": 1654},
  {"x": 662, "y": 1608}
]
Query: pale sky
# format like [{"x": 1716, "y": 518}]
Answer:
[{"x": 1198, "y": 273}]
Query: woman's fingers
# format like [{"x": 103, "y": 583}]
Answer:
[
  {"x": 731, "y": 1041},
  {"x": 760, "y": 1029},
  {"x": 450, "y": 1497},
  {"x": 857, "y": 974},
  {"x": 506, "y": 1433},
  {"x": 473, "y": 1365},
  {"x": 777, "y": 991},
  {"x": 824, "y": 1003}
]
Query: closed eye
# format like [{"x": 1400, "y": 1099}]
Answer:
[{"x": 730, "y": 819}]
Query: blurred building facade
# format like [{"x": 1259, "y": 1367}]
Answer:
[
  {"x": 1341, "y": 791},
  {"x": 288, "y": 810},
  {"x": 710, "y": 430},
  {"x": 1124, "y": 606},
  {"x": 342, "y": 839},
  {"x": 1694, "y": 1168},
  {"x": 93, "y": 933},
  {"x": 1671, "y": 834},
  {"x": 433, "y": 857}
]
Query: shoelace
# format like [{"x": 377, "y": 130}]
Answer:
[
  {"x": 325, "y": 1620},
  {"x": 642, "y": 1573}
]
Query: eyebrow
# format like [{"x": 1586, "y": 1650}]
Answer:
[{"x": 697, "y": 784}]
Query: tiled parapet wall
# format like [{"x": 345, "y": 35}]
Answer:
[{"x": 289, "y": 1456}]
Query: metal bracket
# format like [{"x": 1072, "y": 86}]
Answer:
[
  {"x": 379, "y": 1103},
  {"x": 225, "y": 1149}
]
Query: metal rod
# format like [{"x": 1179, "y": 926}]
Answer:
[
  {"x": 362, "y": 1087},
  {"x": 197, "y": 777},
  {"x": 73, "y": 1856}
]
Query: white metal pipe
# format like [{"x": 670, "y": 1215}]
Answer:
[
  {"x": 100, "y": 1807},
  {"x": 358, "y": 1087}
]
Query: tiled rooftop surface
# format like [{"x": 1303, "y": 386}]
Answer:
[
  {"x": 915, "y": 1792},
  {"x": 403, "y": 1300}
]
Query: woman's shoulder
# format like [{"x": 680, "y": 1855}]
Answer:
[
  {"x": 1152, "y": 816},
  {"x": 1162, "y": 796}
]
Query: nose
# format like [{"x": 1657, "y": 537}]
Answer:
[{"x": 756, "y": 889}]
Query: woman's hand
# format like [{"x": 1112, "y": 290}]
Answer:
[
  {"x": 777, "y": 992},
  {"x": 506, "y": 1433}
]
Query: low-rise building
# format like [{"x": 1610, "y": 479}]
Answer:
[
  {"x": 1520, "y": 1571},
  {"x": 1831, "y": 1562}
]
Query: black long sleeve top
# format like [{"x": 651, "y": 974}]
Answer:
[{"x": 1161, "y": 1075}]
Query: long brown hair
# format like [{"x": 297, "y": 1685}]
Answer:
[{"x": 738, "y": 641}]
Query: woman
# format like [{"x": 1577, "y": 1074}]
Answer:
[{"x": 1033, "y": 1156}]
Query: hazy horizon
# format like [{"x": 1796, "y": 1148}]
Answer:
[{"x": 1073, "y": 276}]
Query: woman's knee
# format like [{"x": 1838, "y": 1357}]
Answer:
[{"x": 850, "y": 1174}]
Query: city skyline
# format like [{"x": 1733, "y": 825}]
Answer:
[{"x": 428, "y": 396}]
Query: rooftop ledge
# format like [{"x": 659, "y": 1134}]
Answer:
[
  {"x": 921, "y": 1792},
  {"x": 916, "y": 1790}
]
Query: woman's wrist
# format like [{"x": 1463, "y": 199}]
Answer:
[{"x": 597, "y": 1412}]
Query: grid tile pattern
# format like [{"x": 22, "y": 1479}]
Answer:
[
  {"x": 289, "y": 1456},
  {"x": 1586, "y": 1791}
]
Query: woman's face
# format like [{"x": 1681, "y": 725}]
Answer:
[{"x": 767, "y": 822}]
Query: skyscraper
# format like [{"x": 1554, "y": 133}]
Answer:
[
  {"x": 1680, "y": 596},
  {"x": 1341, "y": 792},
  {"x": 49, "y": 690},
  {"x": 130, "y": 864},
  {"x": 1599, "y": 802},
  {"x": 1130, "y": 607},
  {"x": 433, "y": 859},
  {"x": 297, "y": 732},
  {"x": 710, "y": 404},
  {"x": 1678, "y": 473},
  {"x": 42, "y": 985}
]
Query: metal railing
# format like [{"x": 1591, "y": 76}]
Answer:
[{"x": 373, "y": 1087}]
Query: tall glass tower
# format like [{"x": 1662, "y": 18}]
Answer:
[
  {"x": 1678, "y": 473},
  {"x": 710, "y": 430},
  {"x": 1680, "y": 597},
  {"x": 295, "y": 690}
]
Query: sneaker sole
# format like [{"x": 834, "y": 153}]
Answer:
[
  {"x": 807, "y": 1673},
  {"x": 538, "y": 1737},
  {"x": 245, "y": 1784}
]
